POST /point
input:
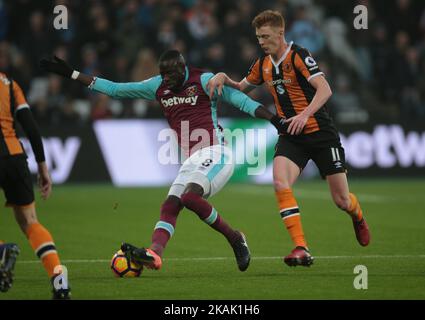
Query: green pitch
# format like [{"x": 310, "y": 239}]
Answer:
[{"x": 89, "y": 223}]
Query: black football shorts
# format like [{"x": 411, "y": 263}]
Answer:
[
  {"x": 15, "y": 180},
  {"x": 323, "y": 148}
]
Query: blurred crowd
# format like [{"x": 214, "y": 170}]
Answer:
[{"x": 376, "y": 74}]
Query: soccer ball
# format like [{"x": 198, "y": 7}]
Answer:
[{"x": 123, "y": 267}]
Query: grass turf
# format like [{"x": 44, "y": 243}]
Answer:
[{"x": 88, "y": 223}]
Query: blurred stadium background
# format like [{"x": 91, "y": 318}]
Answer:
[
  {"x": 93, "y": 142},
  {"x": 379, "y": 93}
]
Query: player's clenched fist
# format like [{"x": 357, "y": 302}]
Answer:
[
  {"x": 56, "y": 65},
  {"x": 280, "y": 124}
]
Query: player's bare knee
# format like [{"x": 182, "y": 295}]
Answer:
[
  {"x": 280, "y": 185},
  {"x": 25, "y": 216},
  {"x": 27, "y": 222},
  {"x": 342, "y": 202}
]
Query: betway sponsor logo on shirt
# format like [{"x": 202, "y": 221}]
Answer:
[{"x": 174, "y": 101}]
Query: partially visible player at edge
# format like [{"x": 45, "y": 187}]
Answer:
[
  {"x": 181, "y": 92},
  {"x": 300, "y": 92},
  {"x": 16, "y": 182}
]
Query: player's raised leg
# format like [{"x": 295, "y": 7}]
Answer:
[
  {"x": 200, "y": 176},
  {"x": 348, "y": 202},
  {"x": 194, "y": 201},
  {"x": 213, "y": 167},
  {"x": 192, "y": 198},
  {"x": 42, "y": 243},
  {"x": 285, "y": 173},
  {"x": 164, "y": 229}
]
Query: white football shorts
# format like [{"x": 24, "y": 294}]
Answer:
[{"x": 210, "y": 167}]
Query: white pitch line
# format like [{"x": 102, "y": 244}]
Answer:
[
  {"x": 420, "y": 256},
  {"x": 315, "y": 194},
  {"x": 325, "y": 195}
]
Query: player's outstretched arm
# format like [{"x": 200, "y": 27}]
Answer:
[
  {"x": 244, "y": 103},
  {"x": 218, "y": 81},
  {"x": 144, "y": 89},
  {"x": 241, "y": 101},
  {"x": 279, "y": 122},
  {"x": 58, "y": 66}
]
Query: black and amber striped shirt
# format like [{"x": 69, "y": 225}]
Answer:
[
  {"x": 9, "y": 142},
  {"x": 288, "y": 82}
]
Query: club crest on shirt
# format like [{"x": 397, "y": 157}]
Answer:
[
  {"x": 191, "y": 91},
  {"x": 287, "y": 67}
]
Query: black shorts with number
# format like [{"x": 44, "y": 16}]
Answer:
[
  {"x": 323, "y": 147},
  {"x": 15, "y": 180}
]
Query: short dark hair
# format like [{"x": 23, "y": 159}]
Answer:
[{"x": 170, "y": 55}]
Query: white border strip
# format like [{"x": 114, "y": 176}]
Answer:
[
  {"x": 22, "y": 106},
  {"x": 315, "y": 75},
  {"x": 249, "y": 83}
]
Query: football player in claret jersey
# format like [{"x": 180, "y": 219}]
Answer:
[
  {"x": 16, "y": 182},
  {"x": 300, "y": 91},
  {"x": 181, "y": 91}
]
